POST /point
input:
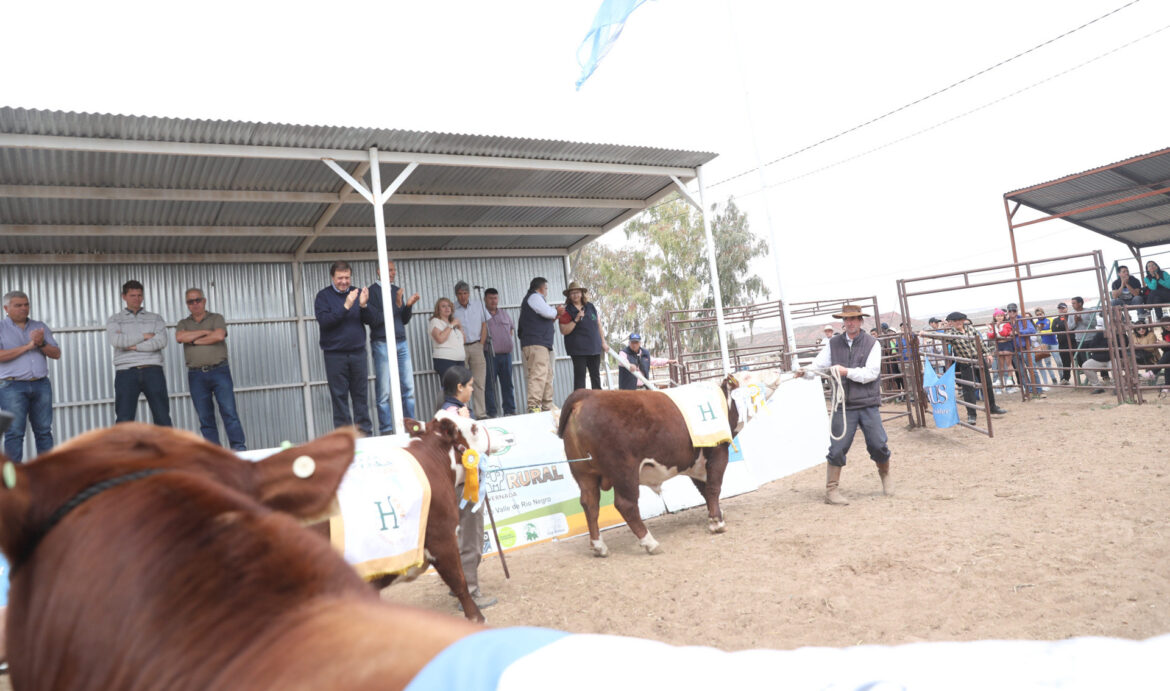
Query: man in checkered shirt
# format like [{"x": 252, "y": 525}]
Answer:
[{"x": 966, "y": 348}]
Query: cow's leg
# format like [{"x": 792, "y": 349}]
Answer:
[
  {"x": 590, "y": 486},
  {"x": 716, "y": 466},
  {"x": 625, "y": 501},
  {"x": 442, "y": 548}
]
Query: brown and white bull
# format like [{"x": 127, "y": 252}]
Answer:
[
  {"x": 635, "y": 438},
  {"x": 438, "y": 447}
]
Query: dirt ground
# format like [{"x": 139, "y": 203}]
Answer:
[{"x": 1055, "y": 528}]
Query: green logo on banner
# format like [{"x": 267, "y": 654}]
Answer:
[
  {"x": 507, "y": 537},
  {"x": 508, "y": 438},
  {"x": 530, "y": 532}
]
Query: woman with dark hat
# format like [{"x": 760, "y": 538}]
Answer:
[
  {"x": 584, "y": 336},
  {"x": 857, "y": 357}
]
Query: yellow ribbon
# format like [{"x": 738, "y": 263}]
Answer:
[{"x": 471, "y": 475}]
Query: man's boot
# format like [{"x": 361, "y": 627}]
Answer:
[
  {"x": 832, "y": 496},
  {"x": 887, "y": 481}
]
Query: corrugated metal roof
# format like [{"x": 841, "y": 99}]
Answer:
[
  {"x": 35, "y": 182},
  {"x": 1113, "y": 200}
]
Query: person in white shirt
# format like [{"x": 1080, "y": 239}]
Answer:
[
  {"x": 473, "y": 316},
  {"x": 856, "y": 356}
]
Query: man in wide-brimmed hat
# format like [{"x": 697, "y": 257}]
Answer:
[{"x": 857, "y": 357}]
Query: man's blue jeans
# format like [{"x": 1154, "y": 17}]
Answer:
[
  {"x": 500, "y": 367},
  {"x": 28, "y": 401},
  {"x": 149, "y": 381},
  {"x": 217, "y": 383},
  {"x": 382, "y": 384}
]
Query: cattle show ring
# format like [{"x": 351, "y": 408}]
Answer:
[{"x": 692, "y": 513}]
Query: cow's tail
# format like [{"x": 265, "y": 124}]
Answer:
[{"x": 571, "y": 404}]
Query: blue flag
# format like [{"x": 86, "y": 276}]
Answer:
[
  {"x": 940, "y": 391},
  {"x": 607, "y": 26}
]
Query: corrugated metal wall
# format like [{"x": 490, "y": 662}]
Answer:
[{"x": 257, "y": 300}]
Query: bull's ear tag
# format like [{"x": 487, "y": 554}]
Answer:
[
  {"x": 416, "y": 428},
  {"x": 304, "y": 467},
  {"x": 9, "y": 474}
]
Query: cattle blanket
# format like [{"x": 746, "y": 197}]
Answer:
[
  {"x": 530, "y": 659},
  {"x": 384, "y": 501},
  {"x": 704, "y": 407}
]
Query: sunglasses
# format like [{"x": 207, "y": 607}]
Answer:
[{"x": 195, "y": 301}]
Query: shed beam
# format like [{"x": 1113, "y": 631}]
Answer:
[
  {"x": 35, "y": 230},
  {"x": 126, "y": 146},
  {"x": 343, "y": 195},
  {"x": 647, "y": 203},
  {"x": 214, "y": 258},
  {"x": 278, "y": 197}
]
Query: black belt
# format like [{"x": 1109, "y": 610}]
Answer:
[
  {"x": 466, "y": 343},
  {"x": 143, "y": 366},
  {"x": 15, "y": 379},
  {"x": 207, "y": 368}
]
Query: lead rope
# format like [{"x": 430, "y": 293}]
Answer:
[{"x": 836, "y": 397}]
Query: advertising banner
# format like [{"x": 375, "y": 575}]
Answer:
[{"x": 940, "y": 391}]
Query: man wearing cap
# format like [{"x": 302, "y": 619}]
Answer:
[
  {"x": 828, "y": 331},
  {"x": 473, "y": 316},
  {"x": 856, "y": 356},
  {"x": 973, "y": 371},
  {"x": 1064, "y": 341},
  {"x": 635, "y": 358}
]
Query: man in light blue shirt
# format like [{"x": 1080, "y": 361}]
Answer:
[
  {"x": 25, "y": 390},
  {"x": 473, "y": 316}
]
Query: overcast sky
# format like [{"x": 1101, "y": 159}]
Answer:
[{"x": 685, "y": 74}]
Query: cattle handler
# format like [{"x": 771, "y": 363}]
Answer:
[{"x": 856, "y": 356}]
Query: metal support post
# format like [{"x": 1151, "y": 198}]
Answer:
[{"x": 298, "y": 280}]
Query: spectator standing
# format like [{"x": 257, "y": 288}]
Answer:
[
  {"x": 379, "y": 350},
  {"x": 446, "y": 337},
  {"x": 1127, "y": 290},
  {"x": 204, "y": 338},
  {"x": 856, "y": 357},
  {"x": 1060, "y": 327},
  {"x": 828, "y": 333},
  {"x": 499, "y": 351},
  {"x": 1078, "y": 320},
  {"x": 1158, "y": 283},
  {"x": 975, "y": 371},
  {"x": 1000, "y": 334},
  {"x": 342, "y": 311},
  {"x": 635, "y": 358},
  {"x": 535, "y": 329},
  {"x": 1022, "y": 357},
  {"x": 1048, "y": 349},
  {"x": 138, "y": 338},
  {"x": 458, "y": 387},
  {"x": 25, "y": 389},
  {"x": 472, "y": 315},
  {"x": 584, "y": 336}
]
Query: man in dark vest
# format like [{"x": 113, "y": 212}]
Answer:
[
  {"x": 637, "y": 359},
  {"x": 856, "y": 356},
  {"x": 536, "y": 330}
]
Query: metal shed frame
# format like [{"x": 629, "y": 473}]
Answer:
[{"x": 114, "y": 189}]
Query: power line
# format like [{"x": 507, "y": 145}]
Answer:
[
  {"x": 959, "y": 116},
  {"x": 924, "y": 98}
]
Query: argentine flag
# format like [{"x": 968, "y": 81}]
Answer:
[{"x": 607, "y": 26}]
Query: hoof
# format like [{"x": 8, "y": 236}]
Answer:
[
  {"x": 650, "y": 544},
  {"x": 716, "y": 525},
  {"x": 600, "y": 549}
]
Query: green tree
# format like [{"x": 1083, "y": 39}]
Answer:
[{"x": 663, "y": 267}]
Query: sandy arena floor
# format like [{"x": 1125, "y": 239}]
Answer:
[{"x": 1055, "y": 528}]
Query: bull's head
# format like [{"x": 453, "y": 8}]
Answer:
[
  {"x": 465, "y": 433},
  {"x": 35, "y": 497}
]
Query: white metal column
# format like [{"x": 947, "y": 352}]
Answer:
[
  {"x": 377, "y": 196},
  {"x": 718, "y": 293}
]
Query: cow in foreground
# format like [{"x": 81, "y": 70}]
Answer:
[
  {"x": 145, "y": 558},
  {"x": 638, "y": 438}
]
